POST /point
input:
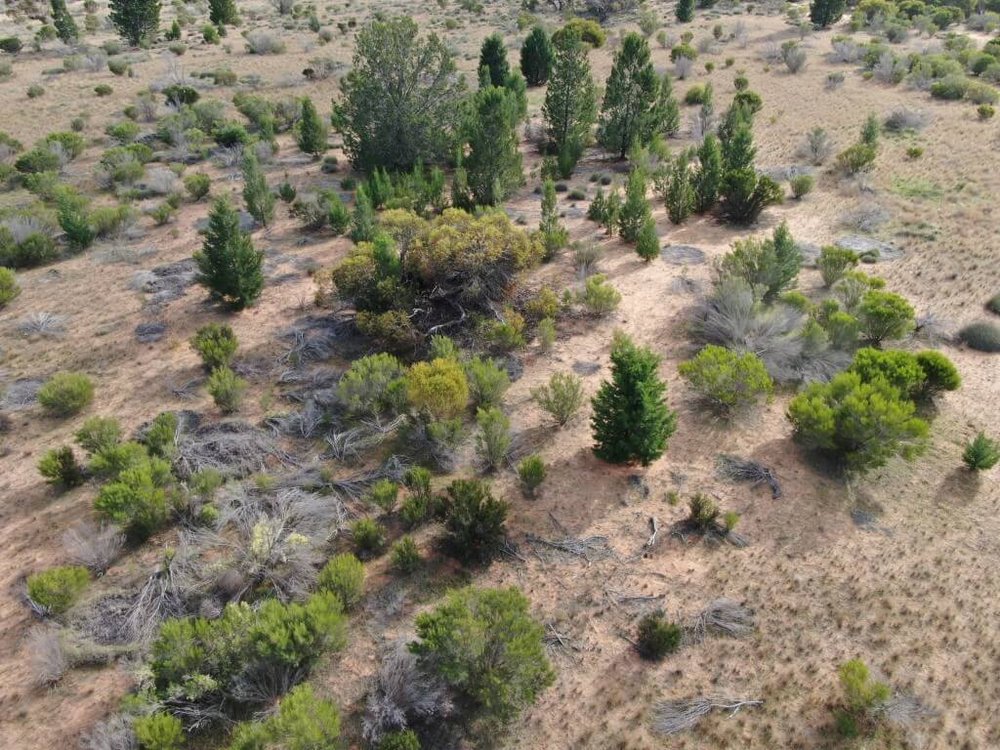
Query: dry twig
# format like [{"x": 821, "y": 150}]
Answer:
[{"x": 671, "y": 717}]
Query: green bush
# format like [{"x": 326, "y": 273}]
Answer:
[
  {"x": 884, "y": 316},
  {"x": 66, "y": 393},
  {"x": 864, "y": 698},
  {"x": 834, "y": 262},
  {"x": 302, "y": 722},
  {"x": 698, "y": 94},
  {"x": 59, "y": 466},
  {"x": 474, "y": 520},
  {"x": 344, "y": 575},
  {"x": 589, "y": 31},
  {"x": 801, "y": 185},
  {"x": 57, "y": 589},
  {"x": 112, "y": 460},
  {"x": 531, "y": 471},
  {"x": 981, "y": 453},
  {"x": 657, "y": 637},
  {"x": 897, "y": 368},
  {"x": 35, "y": 91},
  {"x": 368, "y": 535},
  {"x": 438, "y": 387},
  {"x": 725, "y": 379},
  {"x": 159, "y": 731},
  {"x": 226, "y": 389},
  {"x": 160, "y": 436},
  {"x": 952, "y": 87},
  {"x": 11, "y": 45},
  {"x": 216, "y": 344},
  {"x": 373, "y": 385},
  {"x": 488, "y": 381},
  {"x": 599, "y": 296},
  {"x": 405, "y": 556},
  {"x": 982, "y": 336},
  {"x": 98, "y": 433},
  {"x": 9, "y": 289},
  {"x": 493, "y": 441},
  {"x": 198, "y": 185},
  {"x": 383, "y": 494},
  {"x": 767, "y": 264},
  {"x": 137, "y": 498},
  {"x": 856, "y": 158},
  {"x": 403, "y": 740},
  {"x": 940, "y": 374}
]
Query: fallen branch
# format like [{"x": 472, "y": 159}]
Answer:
[
  {"x": 722, "y": 617},
  {"x": 738, "y": 469},
  {"x": 589, "y": 548},
  {"x": 672, "y": 717},
  {"x": 655, "y": 526}
]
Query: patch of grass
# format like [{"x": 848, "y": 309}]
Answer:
[{"x": 917, "y": 188}]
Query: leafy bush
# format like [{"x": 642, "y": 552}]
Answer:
[
  {"x": 802, "y": 185},
  {"x": 493, "y": 440},
  {"x": 383, "y": 494},
  {"x": 588, "y": 30},
  {"x": 982, "y": 336},
  {"x": 561, "y": 397},
  {"x": 725, "y": 379},
  {"x": 834, "y": 262},
  {"x": 112, "y": 460},
  {"x": 57, "y": 589},
  {"x": 769, "y": 265},
  {"x": 438, "y": 387},
  {"x": 403, "y": 740},
  {"x": 59, "y": 466},
  {"x": 897, "y": 368},
  {"x": 226, "y": 388},
  {"x": 373, "y": 385},
  {"x": 884, "y": 315},
  {"x": 405, "y": 555},
  {"x": 703, "y": 512},
  {"x": 66, "y": 393},
  {"x": 474, "y": 520},
  {"x": 344, "y": 575},
  {"x": 856, "y": 158},
  {"x": 863, "y": 699},
  {"x": 9, "y": 289},
  {"x": 160, "y": 436},
  {"x": 216, "y": 344},
  {"x": 98, "y": 434},
  {"x": 952, "y": 87},
  {"x": 860, "y": 423},
  {"x": 137, "y": 498},
  {"x": 657, "y": 637},
  {"x": 303, "y": 721},
  {"x": 486, "y": 646},
  {"x": 531, "y": 471},
  {"x": 159, "y": 731},
  {"x": 940, "y": 374},
  {"x": 981, "y": 453},
  {"x": 599, "y": 296},
  {"x": 368, "y": 536},
  {"x": 488, "y": 381},
  {"x": 198, "y": 185}
]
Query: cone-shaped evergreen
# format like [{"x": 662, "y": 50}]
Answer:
[
  {"x": 493, "y": 57},
  {"x": 630, "y": 108},
  {"x": 65, "y": 25},
  {"x": 648, "y": 244},
  {"x": 135, "y": 20},
  {"x": 631, "y": 421},
  {"x": 311, "y": 130},
  {"x": 570, "y": 102},
  {"x": 493, "y": 165},
  {"x": 223, "y": 12},
  {"x": 708, "y": 178},
  {"x": 685, "y": 11},
  {"x": 363, "y": 218},
  {"x": 260, "y": 200},
  {"x": 228, "y": 264},
  {"x": 537, "y": 57},
  {"x": 825, "y": 12},
  {"x": 635, "y": 210}
]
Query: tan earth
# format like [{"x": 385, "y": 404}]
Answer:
[{"x": 915, "y": 594}]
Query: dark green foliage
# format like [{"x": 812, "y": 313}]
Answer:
[
  {"x": 160, "y": 437},
  {"x": 9, "y": 289},
  {"x": 310, "y": 130},
  {"x": 368, "y": 535},
  {"x": 363, "y": 224},
  {"x": 400, "y": 103},
  {"x": 56, "y": 589},
  {"x": 403, "y": 740},
  {"x": 178, "y": 94},
  {"x": 11, "y": 45},
  {"x": 554, "y": 234},
  {"x": 62, "y": 20},
  {"x": 708, "y": 177},
  {"x": 647, "y": 244},
  {"x": 769, "y": 266},
  {"x": 493, "y": 166},
  {"x": 680, "y": 195},
  {"x": 487, "y": 647},
  {"x": 684, "y": 11},
  {"x": 636, "y": 210},
  {"x": 303, "y": 721},
  {"x": 983, "y": 336},
  {"x": 228, "y": 264},
  {"x": 537, "y": 57},
  {"x": 405, "y": 556},
  {"x": 66, "y": 393},
  {"x": 135, "y": 20},
  {"x": 34, "y": 250},
  {"x": 657, "y": 637},
  {"x": 258, "y": 196},
  {"x": 223, "y": 13},
  {"x": 981, "y": 453},
  {"x": 344, "y": 575},
  {"x": 570, "y": 107},
  {"x": 629, "y": 112},
  {"x": 493, "y": 57},
  {"x": 59, "y": 466},
  {"x": 474, "y": 520},
  {"x": 823, "y": 13},
  {"x": 631, "y": 420},
  {"x": 860, "y": 423},
  {"x": 74, "y": 222},
  {"x": 137, "y": 498},
  {"x": 745, "y": 194}
]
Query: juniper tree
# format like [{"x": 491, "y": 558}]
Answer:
[
  {"x": 493, "y": 57},
  {"x": 363, "y": 218},
  {"x": 570, "y": 107},
  {"x": 635, "y": 210},
  {"x": 666, "y": 115},
  {"x": 708, "y": 177},
  {"x": 825, "y": 12},
  {"x": 647, "y": 245},
  {"x": 228, "y": 264},
  {"x": 629, "y": 110},
  {"x": 744, "y": 192},
  {"x": 223, "y": 13},
  {"x": 554, "y": 234},
  {"x": 311, "y": 129},
  {"x": 537, "y": 57},
  {"x": 680, "y": 197},
  {"x": 493, "y": 165},
  {"x": 62, "y": 20},
  {"x": 685, "y": 11},
  {"x": 135, "y": 20},
  {"x": 258, "y": 196},
  {"x": 631, "y": 420}
]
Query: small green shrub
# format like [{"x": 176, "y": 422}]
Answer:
[
  {"x": 344, "y": 575},
  {"x": 35, "y": 91},
  {"x": 383, "y": 495},
  {"x": 834, "y": 262},
  {"x": 703, "y": 512},
  {"x": 488, "y": 381},
  {"x": 725, "y": 379},
  {"x": 159, "y": 731},
  {"x": 198, "y": 185},
  {"x": 103, "y": 89},
  {"x": 981, "y": 336},
  {"x": 914, "y": 152},
  {"x": 599, "y": 296},
  {"x": 475, "y": 521},
  {"x": 657, "y": 637},
  {"x": 531, "y": 471},
  {"x": 226, "y": 388},
  {"x": 802, "y": 185},
  {"x": 373, "y": 385},
  {"x": 98, "y": 434},
  {"x": 405, "y": 556},
  {"x": 9, "y": 289},
  {"x": 59, "y": 466},
  {"x": 952, "y": 87},
  {"x": 66, "y": 393},
  {"x": 985, "y": 111},
  {"x": 57, "y": 589},
  {"x": 160, "y": 437},
  {"x": 856, "y": 158},
  {"x": 403, "y": 740},
  {"x": 368, "y": 536},
  {"x": 981, "y": 453},
  {"x": 216, "y": 344},
  {"x": 562, "y": 397}
]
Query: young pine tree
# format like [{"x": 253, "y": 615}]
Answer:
[
  {"x": 363, "y": 218},
  {"x": 685, "y": 11},
  {"x": 708, "y": 178},
  {"x": 667, "y": 114},
  {"x": 823, "y": 13},
  {"x": 258, "y": 196},
  {"x": 635, "y": 210},
  {"x": 311, "y": 130},
  {"x": 648, "y": 244},
  {"x": 228, "y": 264},
  {"x": 65, "y": 25},
  {"x": 135, "y": 20},
  {"x": 680, "y": 197},
  {"x": 629, "y": 110},
  {"x": 223, "y": 13},
  {"x": 744, "y": 193},
  {"x": 554, "y": 234},
  {"x": 493, "y": 57},
  {"x": 570, "y": 107},
  {"x": 631, "y": 419},
  {"x": 493, "y": 165},
  {"x": 537, "y": 57}
]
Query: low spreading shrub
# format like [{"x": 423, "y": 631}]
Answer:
[
  {"x": 57, "y": 589},
  {"x": 344, "y": 575},
  {"x": 657, "y": 637},
  {"x": 59, "y": 466},
  {"x": 725, "y": 379},
  {"x": 981, "y": 453},
  {"x": 982, "y": 336},
  {"x": 66, "y": 393}
]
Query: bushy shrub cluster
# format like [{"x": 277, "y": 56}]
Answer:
[{"x": 57, "y": 589}]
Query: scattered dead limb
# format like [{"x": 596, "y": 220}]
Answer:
[
  {"x": 348, "y": 445},
  {"x": 654, "y": 525},
  {"x": 619, "y": 598},
  {"x": 591, "y": 548},
  {"x": 721, "y": 617},
  {"x": 234, "y": 449},
  {"x": 556, "y": 639},
  {"x": 738, "y": 469},
  {"x": 906, "y": 710},
  {"x": 672, "y": 717}
]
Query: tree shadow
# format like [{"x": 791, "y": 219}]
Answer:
[{"x": 959, "y": 484}]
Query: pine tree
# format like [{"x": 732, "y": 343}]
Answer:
[
  {"x": 570, "y": 106},
  {"x": 648, "y": 244},
  {"x": 135, "y": 20},
  {"x": 629, "y": 110},
  {"x": 65, "y": 25},
  {"x": 631, "y": 420},
  {"x": 744, "y": 193},
  {"x": 667, "y": 115},
  {"x": 73, "y": 220},
  {"x": 554, "y": 234},
  {"x": 228, "y": 264},
  {"x": 537, "y": 57},
  {"x": 612, "y": 212},
  {"x": 363, "y": 218},
  {"x": 635, "y": 210},
  {"x": 685, "y": 11},
  {"x": 680, "y": 195},
  {"x": 311, "y": 130},
  {"x": 223, "y": 13},
  {"x": 825, "y": 12},
  {"x": 258, "y": 196},
  {"x": 493, "y": 165},
  {"x": 493, "y": 57},
  {"x": 708, "y": 178}
]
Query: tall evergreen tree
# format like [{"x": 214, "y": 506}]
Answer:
[
  {"x": 823, "y": 13},
  {"x": 744, "y": 193},
  {"x": 631, "y": 421},
  {"x": 554, "y": 234},
  {"x": 223, "y": 13},
  {"x": 258, "y": 196},
  {"x": 667, "y": 114},
  {"x": 311, "y": 130},
  {"x": 635, "y": 210},
  {"x": 228, "y": 264},
  {"x": 685, "y": 11},
  {"x": 493, "y": 165},
  {"x": 629, "y": 110},
  {"x": 363, "y": 219},
  {"x": 135, "y": 20},
  {"x": 493, "y": 57},
  {"x": 570, "y": 106},
  {"x": 537, "y": 57},
  {"x": 65, "y": 25},
  {"x": 708, "y": 178},
  {"x": 648, "y": 244},
  {"x": 680, "y": 196}
]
